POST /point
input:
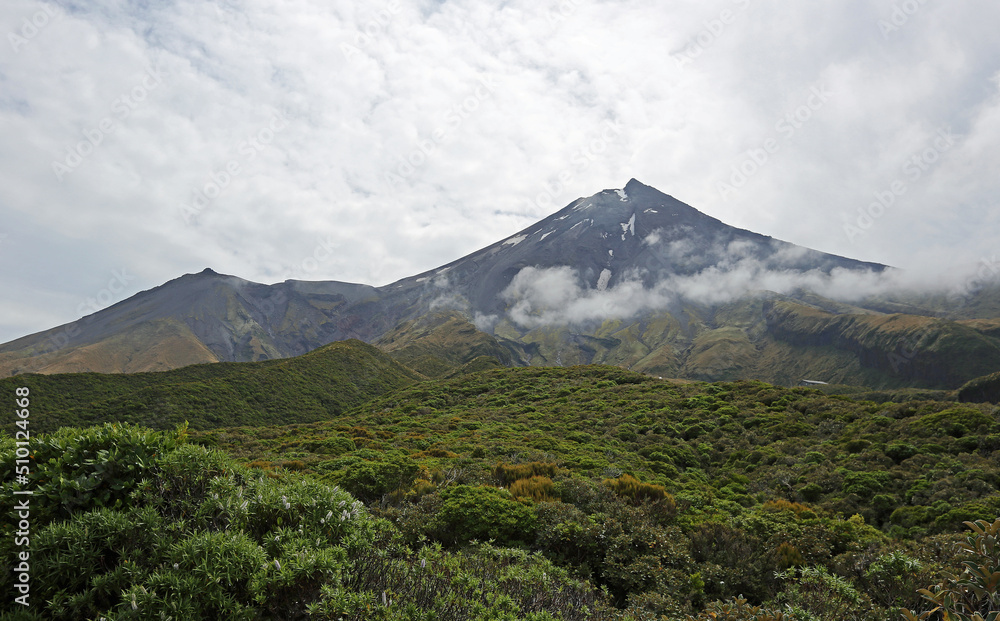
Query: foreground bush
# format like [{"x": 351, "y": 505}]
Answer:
[
  {"x": 152, "y": 528},
  {"x": 974, "y": 594}
]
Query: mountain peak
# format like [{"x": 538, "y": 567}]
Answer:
[{"x": 634, "y": 184}]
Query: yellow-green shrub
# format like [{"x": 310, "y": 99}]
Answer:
[{"x": 539, "y": 489}]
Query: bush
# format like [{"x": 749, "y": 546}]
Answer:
[
  {"x": 865, "y": 484},
  {"x": 627, "y": 486},
  {"x": 974, "y": 594},
  {"x": 900, "y": 452},
  {"x": 955, "y": 422},
  {"x": 199, "y": 537},
  {"x": 483, "y": 513},
  {"x": 370, "y": 480},
  {"x": 508, "y": 473},
  {"x": 811, "y": 492},
  {"x": 817, "y": 592},
  {"x": 539, "y": 489},
  {"x": 76, "y": 470}
]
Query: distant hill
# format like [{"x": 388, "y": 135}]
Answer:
[{"x": 316, "y": 386}]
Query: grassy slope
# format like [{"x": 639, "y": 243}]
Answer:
[
  {"x": 151, "y": 346},
  {"x": 322, "y": 383},
  {"x": 437, "y": 343}
]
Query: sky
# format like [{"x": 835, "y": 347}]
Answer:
[{"x": 370, "y": 141}]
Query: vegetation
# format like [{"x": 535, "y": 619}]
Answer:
[
  {"x": 986, "y": 388},
  {"x": 187, "y": 533},
  {"x": 325, "y": 382},
  {"x": 528, "y": 493}
]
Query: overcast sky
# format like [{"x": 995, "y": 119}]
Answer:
[{"x": 369, "y": 141}]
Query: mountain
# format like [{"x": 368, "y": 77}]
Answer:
[{"x": 630, "y": 277}]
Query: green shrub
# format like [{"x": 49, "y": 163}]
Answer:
[
  {"x": 199, "y": 537},
  {"x": 899, "y": 452},
  {"x": 77, "y": 470},
  {"x": 508, "y": 473},
  {"x": 811, "y": 492},
  {"x": 538, "y": 489},
  {"x": 955, "y": 421},
  {"x": 974, "y": 594},
  {"x": 865, "y": 484},
  {"x": 370, "y": 480},
  {"x": 817, "y": 592},
  {"x": 484, "y": 514},
  {"x": 335, "y": 445}
]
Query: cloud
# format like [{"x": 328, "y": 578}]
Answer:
[
  {"x": 557, "y": 296},
  {"x": 492, "y": 105}
]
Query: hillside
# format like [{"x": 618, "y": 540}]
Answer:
[
  {"x": 596, "y": 486},
  {"x": 738, "y": 442},
  {"x": 323, "y": 383},
  {"x": 772, "y": 476},
  {"x": 438, "y": 343}
]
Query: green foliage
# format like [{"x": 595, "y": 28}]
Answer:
[
  {"x": 482, "y": 582},
  {"x": 197, "y": 537},
  {"x": 369, "y": 480},
  {"x": 813, "y": 592},
  {"x": 327, "y": 381},
  {"x": 77, "y": 470},
  {"x": 483, "y": 513},
  {"x": 739, "y": 609},
  {"x": 955, "y": 422},
  {"x": 669, "y": 496},
  {"x": 973, "y": 594},
  {"x": 865, "y": 484}
]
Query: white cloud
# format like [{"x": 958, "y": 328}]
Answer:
[
  {"x": 481, "y": 158},
  {"x": 557, "y": 296}
]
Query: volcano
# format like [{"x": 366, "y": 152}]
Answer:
[{"x": 630, "y": 276}]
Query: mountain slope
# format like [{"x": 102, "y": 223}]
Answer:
[
  {"x": 204, "y": 317},
  {"x": 439, "y": 342}
]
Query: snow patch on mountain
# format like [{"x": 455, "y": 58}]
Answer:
[
  {"x": 628, "y": 227},
  {"x": 603, "y": 280}
]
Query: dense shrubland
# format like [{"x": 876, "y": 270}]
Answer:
[
  {"x": 133, "y": 524},
  {"x": 580, "y": 493}
]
